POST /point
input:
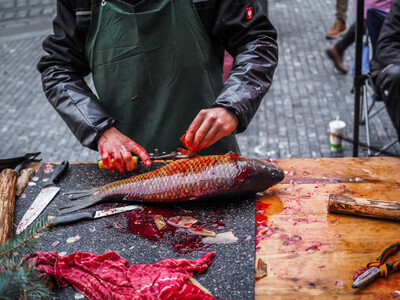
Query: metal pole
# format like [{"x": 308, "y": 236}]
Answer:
[{"x": 358, "y": 78}]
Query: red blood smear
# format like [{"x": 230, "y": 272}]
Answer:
[
  {"x": 296, "y": 238},
  {"x": 312, "y": 248},
  {"x": 395, "y": 294},
  {"x": 217, "y": 226},
  {"x": 261, "y": 217},
  {"x": 235, "y": 156},
  {"x": 141, "y": 223},
  {"x": 261, "y": 220}
]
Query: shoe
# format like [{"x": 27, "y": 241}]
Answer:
[
  {"x": 336, "y": 59},
  {"x": 338, "y": 28}
]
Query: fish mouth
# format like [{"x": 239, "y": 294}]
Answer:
[
  {"x": 273, "y": 171},
  {"x": 262, "y": 174},
  {"x": 276, "y": 172}
]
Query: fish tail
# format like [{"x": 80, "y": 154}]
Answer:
[
  {"x": 82, "y": 199},
  {"x": 78, "y": 194}
]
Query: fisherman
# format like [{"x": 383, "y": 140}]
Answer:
[{"x": 157, "y": 71}]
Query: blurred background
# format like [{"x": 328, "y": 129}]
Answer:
[{"x": 292, "y": 121}]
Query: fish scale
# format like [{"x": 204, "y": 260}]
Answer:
[
  {"x": 187, "y": 179},
  {"x": 188, "y": 174}
]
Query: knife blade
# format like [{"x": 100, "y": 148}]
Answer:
[
  {"x": 90, "y": 215},
  {"x": 48, "y": 192}
]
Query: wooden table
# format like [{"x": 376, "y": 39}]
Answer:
[{"x": 311, "y": 253}]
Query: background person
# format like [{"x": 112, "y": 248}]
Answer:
[
  {"x": 335, "y": 52},
  {"x": 339, "y": 27},
  {"x": 385, "y": 65}
]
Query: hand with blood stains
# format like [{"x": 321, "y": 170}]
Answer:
[
  {"x": 209, "y": 126},
  {"x": 113, "y": 145}
]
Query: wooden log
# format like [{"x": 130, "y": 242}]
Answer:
[
  {"x": 364, "y": 207},
  {"x": 7, "y": 203},
  {"x": 23, "y": 179}
]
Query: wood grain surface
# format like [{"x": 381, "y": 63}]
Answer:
[
  {"x": 8, "y": 180},
  {"x": 311, "y": 253}
]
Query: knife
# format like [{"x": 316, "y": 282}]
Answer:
[
  {"x": 153, "y": 156},
  {"x": 90, "y": 215},
  {"x": 45, "y": 196}
]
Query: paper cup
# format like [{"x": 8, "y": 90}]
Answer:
[{"x": 336, "y": 128}]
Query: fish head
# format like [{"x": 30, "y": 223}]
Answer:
[{"x": 258, "y": 175}]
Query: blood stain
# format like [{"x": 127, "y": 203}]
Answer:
[
  {"x": 296, "y": 238},
  {"x": 339, "y": 283},
  {"x": 141, "y": 223},
  {"x": 395, "y": 294},
  {"x": 262, "y": 227},
  {"x": 313, "y": 248}
]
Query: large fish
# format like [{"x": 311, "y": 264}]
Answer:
[{"x": 186, "y": 179}]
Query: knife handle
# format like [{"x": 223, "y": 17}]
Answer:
[
  {"x": 73, "y": 218},
  {"x": 135, "y": 160},
  {"x": 59, "y": 171}
]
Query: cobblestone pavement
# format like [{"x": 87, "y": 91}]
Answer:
[{"x": 292, "y": 121}]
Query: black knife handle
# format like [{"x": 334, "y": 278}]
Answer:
[
  {"x": 73, "y": 218},
  {"x": 58, "y": 172}
]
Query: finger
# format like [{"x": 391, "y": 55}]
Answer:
[
  {"x": 211, "y": 136},
  {"x": 192, "y": 130},
  {"x": 127, "y": 159},
  {"x": 140, "y": 151},
  {"x": 201, "y": 134},
  {"x": 217, "y": 132},
  {"x": 118, "y": 162},
  {"x": 106, "y": 157},
  {"x": 211, "y": 141}
]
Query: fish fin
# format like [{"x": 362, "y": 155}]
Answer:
[
  {"x": 79, "y": 204},
  {"x": 68, "y": 209},
  {"x": 188, "y": 151},
  {"x": 78, "y": 194},
  {"x": 81, "y": 199}
]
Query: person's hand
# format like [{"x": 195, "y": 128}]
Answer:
[
  {"x": 114, "y": 145},
  {"x": 209, "y": 126}
]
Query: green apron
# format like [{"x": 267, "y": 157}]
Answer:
[{"x": 154, "y": 69}]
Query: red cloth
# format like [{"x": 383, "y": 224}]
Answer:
[{"x": 108, "y": 276}]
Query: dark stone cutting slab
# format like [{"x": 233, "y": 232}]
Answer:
[{"x": 134, "y": 236}]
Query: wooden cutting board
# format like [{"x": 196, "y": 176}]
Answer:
[{"x": 311, "y": 253}]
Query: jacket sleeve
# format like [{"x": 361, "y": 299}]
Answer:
[
  {"x": 388, "y": 45},
  {"x": 252, "y": 41},
  {"x": 63, "y": 70}
]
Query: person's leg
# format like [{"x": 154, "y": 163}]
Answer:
[
  {"x": 341, "y": 10},
  {"x": 339, "y": 27},
  {"x": 375, "y": 19},
  {"x": 346, "y": 40},
  {"x": 387, "y": 85},
  {"x": 335, "y": 51}
]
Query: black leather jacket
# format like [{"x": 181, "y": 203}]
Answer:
[
  {"x": 251, "y": 42},
  {"x": 388, "y": 45}
]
